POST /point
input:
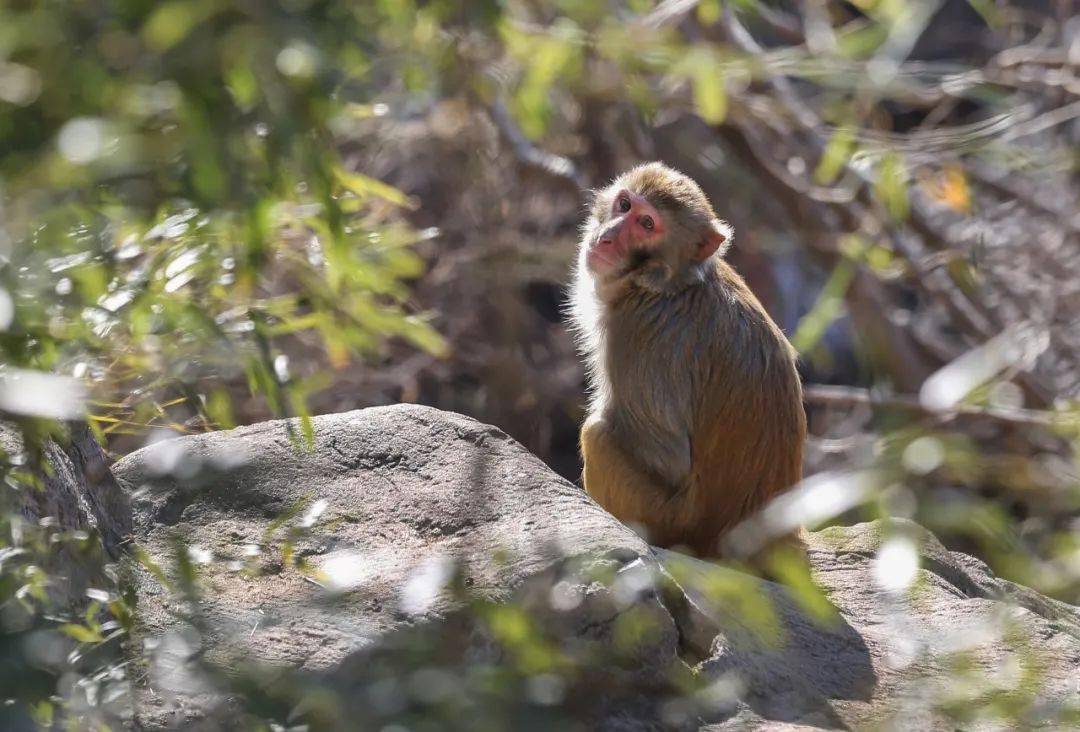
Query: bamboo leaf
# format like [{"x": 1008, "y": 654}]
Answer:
[
  {"x": 365, "y": 187},
  {"x": 829, "y": 306},
  {"x": 81, "y": 633},
  {"x": 891, "y": 186},
  {"x": 710, "y": 93},
  {"x": 174, "y": 21},
  {"x": 835, "y": 157}
]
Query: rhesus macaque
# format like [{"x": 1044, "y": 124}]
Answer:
[{"x": 695, "y": 415}]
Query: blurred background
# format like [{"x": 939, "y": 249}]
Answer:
[{"x": 214, "y": 213}]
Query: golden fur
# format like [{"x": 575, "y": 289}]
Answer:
[{"x": 696, "y": 415}]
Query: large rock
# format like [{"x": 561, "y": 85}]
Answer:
[
  {"x": 953, "y": 643},
  {"x": 78, "y": 494},
  {"x": 77, "y": 510},
  {"x": 417, "y": 566},
  {"x": 71, "y": 526},
  {"x": 391, "y": 510}
]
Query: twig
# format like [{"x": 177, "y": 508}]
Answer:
[
  {"x": 742, "y": 39},
  {"x": 823, "y": 194},
  {"x": 528, "y": 153},
  {"x": 312, "y": 581},
  {"x": 847, "y": 396},
  {"x": 1047, "y": 120},
  {"x": 670, "y": 12},
  {"x": 969, "y": 312}
]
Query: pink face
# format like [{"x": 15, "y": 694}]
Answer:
[{"x": 635, "y": 225}]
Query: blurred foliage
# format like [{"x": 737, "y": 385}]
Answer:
[
  {"x": 180, "y": 202},
  {"x": 62, "y": 621},
  {"x": 485, "y": 665},
  {"x": 174, "y": 202},
  {"x": 173, "y": 205}
]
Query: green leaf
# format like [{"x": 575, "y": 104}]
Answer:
[
  {"x": 829, "y": 306},
  {"x": 81, "y": 633},
  {"x": 219, "y": 409},
  {"x": 91, "y": 612},
  {"x": 993, "y": 15},
  {"x": 92, "y": 280},
  {"x": 891, "y": 186},
  {"x": 510, "y": 625},
  {"x": 710, "y": 94},
  {"x": 365, "y": 186},
  {"x": 790, "y": 566},
  {"x": 708, "y": 12},
  {"x": 298, "y": 402},
  {"x": 422, "y": 335},
  {"x": 120, "y": 610},
  {"x": 243, "y": 85},
  {"x": 835, "y": 156},
  {"x": 547, "y": 59},
  {"x": 143, "y": 557},
  {"x": 43, "y": 713},
  {"x": 862, "y": 41},
  {"x": 173, "y": 21}
]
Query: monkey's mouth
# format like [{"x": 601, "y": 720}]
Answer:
[
  {"x": 609, "y": 261},
  {"x": 605, "y": 256},
  {"x": 601, "y": 261}
]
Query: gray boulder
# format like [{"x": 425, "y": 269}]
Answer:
[
  {"x": 79, "y": 499},
  {"x": 413, "y": 566},
  {"x": 72, "y": 524}
]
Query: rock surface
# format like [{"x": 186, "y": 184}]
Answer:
[
  {"x": 79, "y": 495},
  {"x": 75, "y": 519},
  {"x": 406, "y": 528}
]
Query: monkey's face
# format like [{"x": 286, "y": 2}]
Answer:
[
  {"x": 651, "y": 229},
  {"x": 626, "y": 236}
]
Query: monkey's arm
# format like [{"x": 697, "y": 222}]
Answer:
[{"x": 628, "y": 493}]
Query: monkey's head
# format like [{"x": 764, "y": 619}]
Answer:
[{"x": 653, "y": 229}]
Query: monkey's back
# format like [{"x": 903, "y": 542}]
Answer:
[
  {"x": 704, "y": 386},
  {"x": 750, "y": 427}
]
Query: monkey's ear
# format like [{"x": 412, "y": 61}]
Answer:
[{"x": 717, "y": 238}]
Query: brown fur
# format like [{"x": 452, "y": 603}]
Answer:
[{"x": 696, "y": 415}]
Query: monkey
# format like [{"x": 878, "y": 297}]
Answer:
[{"x": 695, "y": 416}]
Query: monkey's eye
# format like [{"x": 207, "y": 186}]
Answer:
[
  {"x": 624, "y": 204},
  {"x": 647, "y": 222}
]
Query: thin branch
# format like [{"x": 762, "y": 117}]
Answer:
[
  {"x": 969, "y": 312},
  {"x": 670, "y": 12},
  {"x": 740, "y": 36},
  {"x": 530, "y": 154},
  {"x": 823, "y": 194},
  {"x": 846, "y": 396},
  {"x": 1050, "y": 119}
]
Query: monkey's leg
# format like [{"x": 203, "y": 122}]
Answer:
[{"x": 628, "y": 493}]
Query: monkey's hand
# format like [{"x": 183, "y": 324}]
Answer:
[{"x": 630, "y": 494}]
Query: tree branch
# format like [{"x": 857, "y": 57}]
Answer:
[
  {"x": 528, "y": 153},
  {"x": 846, "y": 396}
]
